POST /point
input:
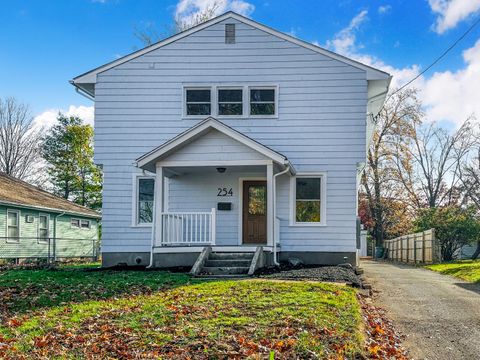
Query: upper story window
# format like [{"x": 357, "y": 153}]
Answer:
[
  {"x": 262, "y": 101},
  {"x": 230, "y": 101},
  {"x": 198, "y": 101}
]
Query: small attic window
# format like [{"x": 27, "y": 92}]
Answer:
[{"x": 229, "y": 33}]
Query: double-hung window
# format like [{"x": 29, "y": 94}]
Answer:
[
  {"x": 43, "y": 220},
  {"x": 308, "y": 200},
  {"x": 230, "y": 101},
  {"x": 262, "y": 101},
  {"x": 145, "y": 200},
  {"x": 198, "y": 101},
  {"x": 13, "y": 226}
]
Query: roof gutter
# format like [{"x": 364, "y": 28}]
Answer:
[{"x": 82, "y": 92}]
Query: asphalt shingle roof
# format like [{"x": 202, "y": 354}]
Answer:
[{"x": 14, "y": 191}]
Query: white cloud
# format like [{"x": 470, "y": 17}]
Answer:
[
  {"x": 49, "y": 117},
  {"x": 454, "y": 96},
  {"x": 186, "y": 10},
  {"x": 449, "y": 96},
  {"x": 384, "y": 9},
  {"x": 451, "y": 12},
  {"x": 345, "y": 43}
]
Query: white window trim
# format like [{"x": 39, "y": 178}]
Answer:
[
  {"x": 8, "y": 240},
  {"x": 40, "y": 241},
  {"x": 214, "y": 87},
  {"x": 212, "y": 101},
  {"x": 135, "y": 181},
  {"x": 89, "y": 224},
  {"x": 74, "y": 227},
  {"x": 323, "y": 198},
  {"x": 217, "y": 102},
  {"x": 263, "y": 87}
]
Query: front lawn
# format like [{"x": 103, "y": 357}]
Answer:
[
  {"x": 164, "y": 315},
  {"x": 468, "y": 270}
]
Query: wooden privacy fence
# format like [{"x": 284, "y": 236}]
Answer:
[{"x": 414, "y": 248}]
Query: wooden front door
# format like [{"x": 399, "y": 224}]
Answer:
[{"x": 255, "y": 212}]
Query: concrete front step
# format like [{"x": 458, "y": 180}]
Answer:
[
  {"x": 216, "y": 270},
  {"x": 230, "y": 256},
  {"x": 228, "y": 263}
]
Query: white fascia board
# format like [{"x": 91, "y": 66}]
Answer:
[{"x": 91, "y": 76}]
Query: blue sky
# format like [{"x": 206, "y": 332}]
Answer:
[{"x": 43, "y": 44}]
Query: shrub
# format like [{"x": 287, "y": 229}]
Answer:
[{"x": 454, "y": 227}]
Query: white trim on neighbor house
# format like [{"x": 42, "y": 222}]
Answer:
[
  {"x": 90, "y": 77},
  {"x": 19, "y": 214},
  {"x": 240, "y": 203},
  {"x": 198, "y": 130},
  {"x": 41, "y": 208},
  {"x": 40, "y": 240},
  {"x": 214, "y": 103},
  {"x": 323, "y": 198}
]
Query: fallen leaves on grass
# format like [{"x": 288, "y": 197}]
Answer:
[{"x": 383, "y": 342}]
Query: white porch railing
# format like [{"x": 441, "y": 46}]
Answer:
[{"x": 188, "y": 228}]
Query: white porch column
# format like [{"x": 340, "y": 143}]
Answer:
[
  {"x": 270, "y": 220},
  {"x": 159, "y": 196}
]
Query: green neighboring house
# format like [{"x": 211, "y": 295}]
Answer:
[{"x": 36, "y": 224}]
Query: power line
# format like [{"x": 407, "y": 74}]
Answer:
[{"x": 439, "y": 58}]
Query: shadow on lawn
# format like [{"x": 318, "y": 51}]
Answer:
[{"x": 24, "y": 290}]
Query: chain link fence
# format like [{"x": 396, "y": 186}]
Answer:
[{"x": 49, "y": 249}]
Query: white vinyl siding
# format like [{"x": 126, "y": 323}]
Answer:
[{"x": 320, "y": 125}]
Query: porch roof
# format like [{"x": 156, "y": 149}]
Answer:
[{"x": 160, "y": 153}]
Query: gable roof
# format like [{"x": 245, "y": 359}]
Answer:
[
  {"x": 85, "y": 80},
  {"x": 196, "y": 131},
  {"x": 16, "y": 192}
]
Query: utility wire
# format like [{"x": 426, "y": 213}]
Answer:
[{"x": 438, "y": 59}]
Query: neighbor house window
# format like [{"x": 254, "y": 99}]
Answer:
[
  {"x": 308, "y": 199},
  {"x": 262, "y": 101},
  {"x": 198, "y": 101},
  {"x": 75, "y": 223},
  {"x": 230, "y": 101},
  {"x": 43, "y": 221},
  {"x": 145, "y": 201},
  {"x": 13, "y": 225},
  {"x": 85, "y": 224}
]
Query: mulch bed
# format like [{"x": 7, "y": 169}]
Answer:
[{"x": 319, "y": 273}]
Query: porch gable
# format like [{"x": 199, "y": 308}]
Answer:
[{"x": 210, "y": 142}]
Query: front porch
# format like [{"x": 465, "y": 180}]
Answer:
[{"x": 214, "y": 187}]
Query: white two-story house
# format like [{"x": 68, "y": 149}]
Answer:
[{"x": 233, "y": 137}]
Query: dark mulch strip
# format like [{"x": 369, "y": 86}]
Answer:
[{"x": 318, "y": 273}]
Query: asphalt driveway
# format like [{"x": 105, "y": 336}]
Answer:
[{"x": 438, "y": 314}]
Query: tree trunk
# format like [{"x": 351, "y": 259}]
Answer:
[{"x": 477, "y": 251}]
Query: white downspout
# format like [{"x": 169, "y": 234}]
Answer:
[
  {"x": 275, "y": 261},
  {"x": 152, "y": 238}
]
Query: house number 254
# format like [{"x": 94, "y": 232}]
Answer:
[{"x": 225, "y": 192}]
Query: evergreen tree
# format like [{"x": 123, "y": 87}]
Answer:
[{"x": 68, "y": 150}]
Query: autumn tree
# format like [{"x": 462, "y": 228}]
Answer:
[
  {"x": 20, "y": 142},
  {"x": 429, "y": 160},
  {"x": 379, "y": 185},
  {"x": 68, "y": 151}
]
